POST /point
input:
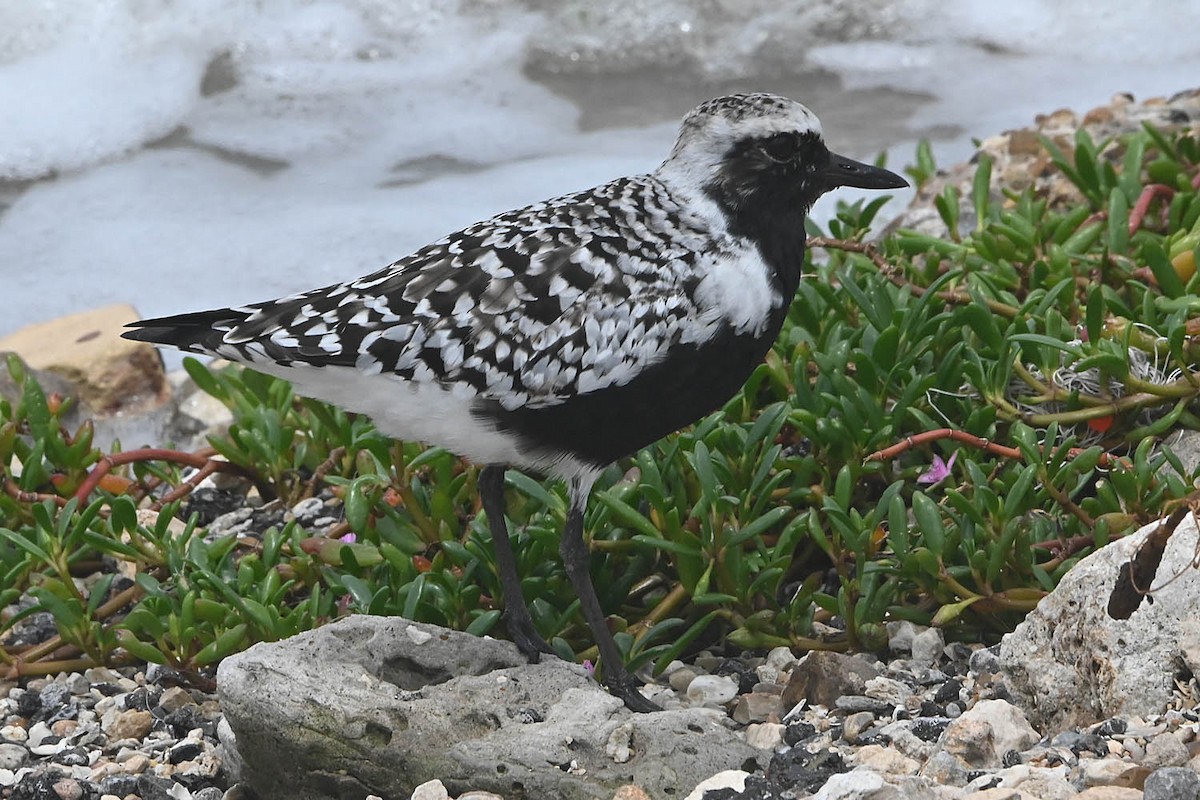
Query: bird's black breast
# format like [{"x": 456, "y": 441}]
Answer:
[{"x": 602, "y": 426}]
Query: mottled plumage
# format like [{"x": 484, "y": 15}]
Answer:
[{"x": 564, "y": 335}]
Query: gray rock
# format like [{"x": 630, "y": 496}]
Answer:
[
  {"x": 1069, "y": 663},
  {"x": 711, "y": 690},
  {"x": 900, "y": 636},
  {"x": 945, "y": 769},
  {"x": 1172, "y": 783},
  {"x": 859, "y": 784},
  {"x": 13, "y": 756},
  {"x": 1186, "y": 445},
  {"x": 928, "y": 646},
  {"x": 1165, "y": 750},
  {"x": 856, "y": 724},
  {"x": 823, "y": 676},
  {"x": 380, "y": 705},
  {"x": 991, "y": 728},
  {"x": 757, "y": 707},
  {"x": 985, "y": 659}
]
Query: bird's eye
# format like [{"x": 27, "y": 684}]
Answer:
[{"x": 781, "y": 147}]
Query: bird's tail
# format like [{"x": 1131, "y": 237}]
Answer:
[{"x": 198, "y": 332}]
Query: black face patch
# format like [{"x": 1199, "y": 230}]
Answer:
[
  {"x": 781, "y": 167},
  {"x": 766, "y": 185}
]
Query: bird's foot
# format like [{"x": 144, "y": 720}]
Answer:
[
  {"x": 528, "y": 640},
  {"x": 626, "y": 688}
]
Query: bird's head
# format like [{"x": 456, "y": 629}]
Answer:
[{"x": 762, "y": 153}]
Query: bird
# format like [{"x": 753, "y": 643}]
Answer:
[{"x": 563, "y": 336}]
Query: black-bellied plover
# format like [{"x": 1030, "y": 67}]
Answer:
[{"x": 562, "y": 336}]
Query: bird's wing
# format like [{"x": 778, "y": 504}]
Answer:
[{"x": 562, "y": 298}]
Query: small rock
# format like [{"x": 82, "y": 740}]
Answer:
[
  {"x": 854, "y": 785},
  {"x": 757, "y": 707},
  {"x": 620, "y": 743},
  {"x": 38, "y": 733},
  {"x": 950, "y": 690},
  {"x": 14, "y": 733},
  {"x": 780, "y": 658},
  {"x": 729, "y": 779},
  {"x": 152, "y": 787},
  {"x": 129, "y": 724},
  {"x": 54, "y": 696},
  {"x": 854, "y": 703},
  {"x": 64, "y": 727},
  {"x": 629, "y": 791},
  {"x": 1109, "y": 793},
  {"x": 13, "y": 756},
  {"x": 78, "y": 684},
  {"x": 855, "y": 724},
  {"x": 431, "y": 790},
  {"x": 901, "y": 635},
  {"x": 927, "y": 647},
  {"x": 823, "y": 676},
  {"x": 1172, "y": 783},
  {"x": 711, "y": 690},
  {"x": 136, "y": 764},
  {"x": 888, "y": 690},
  {"x": 1047, "y": 784},
  {"x": 1105, "y": 772},
  {"x": 766, "y": 735},
  {"x": 680, "y": 679},
  {"x": 1165, "y": 750},
  {"x": 982, "y": 735},
  {"x": 945, "y": 769},
  {"x": 886, "y": 760},
  {"x": 184, "y": 751},
  {"x": 110, "y": 374},
  {"x": 986, "y": 659},
  {"x": 174, "y": 699},
  {"x": 67, "y": 789},
  {"x": 768, "y": 675}
]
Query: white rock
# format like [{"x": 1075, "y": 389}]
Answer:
[
  {"x": 888, "y": 690},
  {"x": 417, "y": 636},
  {"x": 765, "y": 735},
  {"x": 729, "y": 779},
  {"x": 857, "y": 784},
  {"x": 885, "y": 760},
  {"x": 900, "y": 636},
  {"x": 14, "y": 733},
  {"x": 767, "y": 673},
  {"x": 430, "y": 790},
  {"x": 928, "y": 646},
  {"x": 1104, "y": 771},
  {"x": 711, "y": 690},
  {"x": 780, "y": 658},
  {"x": 37, "y": 732},
  {"x": 983, "y": 734},
  {"x": 620, "y": 743},
  {"x": 1070, "y": 663}
]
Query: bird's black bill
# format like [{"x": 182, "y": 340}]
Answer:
[{"x": 844, "y": 171}]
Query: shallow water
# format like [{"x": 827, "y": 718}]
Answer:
[{"x": 179, "y": 155}]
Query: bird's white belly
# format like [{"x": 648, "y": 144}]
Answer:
[{"x": 420, "y": 412}]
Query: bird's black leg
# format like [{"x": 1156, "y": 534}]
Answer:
[
  {"x": 575, "y": 558},
  {"x": 516, "y": 613}
]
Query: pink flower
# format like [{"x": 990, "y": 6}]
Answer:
[
  {"x": 350, "y": 538},
  {"x": 938, "y": 471}
]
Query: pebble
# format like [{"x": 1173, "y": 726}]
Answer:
[
  {"x": 431, "y": 790},
  {"x": 711, "y": 690}
]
